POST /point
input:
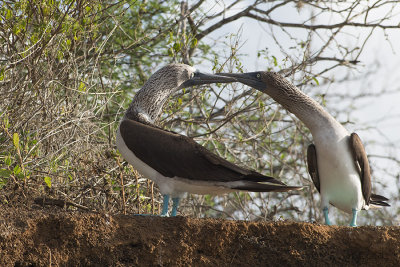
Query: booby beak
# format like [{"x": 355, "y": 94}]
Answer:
[
  {"x": 252, "y": 79},
  {"x": 200, "y": 78}
]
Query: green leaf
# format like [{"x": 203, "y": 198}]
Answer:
[
  {"x": 5, "y": 173},
  {"x": 7, "y": 160},
  {"x": 2, "y": 74},
  {"x": 16, "y": 140},
  {"x": 177, "y": 47},
  {"x": 275, "y": 61},
  {"x": 60, "y": 55},
  {"x": 323, "y": 100},
  {"x": 17, "y": 170},
  {"x": 82, "y": 87},
  {"x": 194, "y": 43},
  {"x": 8, "y": 14},
  {"x": 47, "y": 180},
  {"x": 45, "y": 10},
  {"x": 240, "y": 136},
  {"x": 171, "y": 52},
  {"x": 6, "y": 123},
  {"x": 315, "y": 80},
  {"x": 171, "y": 37},
  {"x": 17, "y": 30},
  {"x": 26, "y": 174},
  {"x": 34, "y": 38}
]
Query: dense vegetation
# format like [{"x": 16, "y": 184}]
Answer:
[{"x": 70, "y": 68}]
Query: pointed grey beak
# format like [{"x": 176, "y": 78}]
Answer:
[
  {"x": 251, "y": 79},
  {"x": 205, "y": 78}
]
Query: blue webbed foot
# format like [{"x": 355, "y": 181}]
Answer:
[
  {"x": 175, "y": 203},
  {"x": 354, "y": 219},
  {"x": 164, "y": 211},
  {"x": 327, "y": 221}
]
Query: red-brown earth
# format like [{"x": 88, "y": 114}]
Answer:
[{"x": 37, "y": 236}]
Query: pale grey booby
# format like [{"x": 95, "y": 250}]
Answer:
[
  {"x": 176, "y": 163},
  {"x": 337, "y": 163}
]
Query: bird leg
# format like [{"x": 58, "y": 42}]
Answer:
[
  {"x": 175, "y": 203},
  {"x": 165, "y": 206},
  {"x": 327, "y": 221},
  {"x": 354, "y": 219}
]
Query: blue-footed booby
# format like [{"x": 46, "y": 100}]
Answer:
[
  {"x": 176, "y": 163},
  {"x": 337, "y": 162}
]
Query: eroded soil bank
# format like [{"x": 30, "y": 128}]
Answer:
[{"x": 53, "y": 237}]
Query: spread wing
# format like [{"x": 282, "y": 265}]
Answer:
[
  {"x": 313, "y": 166},
  {"x": 173, "y": 154}
]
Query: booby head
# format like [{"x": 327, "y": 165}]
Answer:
[
  {"x": 176, "y": 76},
  {"x": 150, "y": 99}
]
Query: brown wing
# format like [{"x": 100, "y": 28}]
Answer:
[
  {"x": 172, "y": 155},
  {"x": 361, "y": 161},
  {"x": 313, "y": 166}
]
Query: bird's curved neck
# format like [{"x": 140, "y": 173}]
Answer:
[
  {"x": 148, "y": 103},
  {"x": 304, "y": 107}
]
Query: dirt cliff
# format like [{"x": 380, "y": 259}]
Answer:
[{"x": 54, "y": 237}]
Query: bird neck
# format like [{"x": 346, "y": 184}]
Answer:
[
  {"x": 304, "y": 107},
  {"x": 148, "y": 103}
]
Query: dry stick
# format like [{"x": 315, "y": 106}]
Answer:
[
  {"x": 21, "y": 162},
  {"x": 137, "y": 189},
  {"x": 121, "y": 175},
  {"x": 184, "y": 14},
  {"x": 107, "y": 109},
  {"x": 49, "y": 256},
  {"x": 123, "y": 192},
  {"x": 152, "y": 198},
  {"x": 149, "y": 187},
  {"x": 58, "y": 202}
]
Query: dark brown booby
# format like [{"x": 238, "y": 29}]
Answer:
[{"x": 176, "y": 163}]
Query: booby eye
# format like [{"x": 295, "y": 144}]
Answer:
[{"x": 258, "y": 75}]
